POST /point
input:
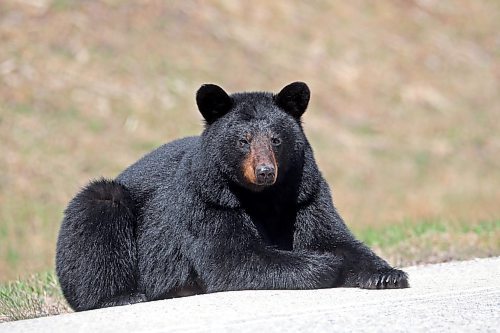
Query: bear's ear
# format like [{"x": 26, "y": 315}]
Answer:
[
  {"x": 213, "y": 102},
  {"x": 294, "y": 98}
]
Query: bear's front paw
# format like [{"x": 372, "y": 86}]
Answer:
[{"x": 391, "y": 279}]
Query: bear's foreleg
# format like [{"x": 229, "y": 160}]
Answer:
[
  {"x": 229, "y": 260},
  {"x": 320, "y": 228}
]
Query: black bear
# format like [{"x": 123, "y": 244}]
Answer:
[{"x": 243, "y": 206}]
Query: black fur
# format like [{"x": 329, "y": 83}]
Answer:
[
  {"x": 294, "y": 98},
  {"x": 185, "y": 220},
  {"x": 97, "y": 250},
  {"x": 213, "y": 102}
]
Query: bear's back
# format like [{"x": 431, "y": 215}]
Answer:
[{"x": 155, "y": 168}]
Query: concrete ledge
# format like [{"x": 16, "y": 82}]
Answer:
[{"x": 457, "y": 296}]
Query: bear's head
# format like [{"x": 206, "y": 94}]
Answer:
[{"x": 255, "y": 138}]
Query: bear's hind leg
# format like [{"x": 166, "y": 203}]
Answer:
[{"x": 96, "y": 259}]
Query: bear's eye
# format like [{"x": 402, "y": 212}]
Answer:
[
  {"x": 242, "y": 142},
  {"x": 275, "y": 141}
]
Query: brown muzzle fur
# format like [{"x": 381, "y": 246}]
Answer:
[{"x": 260, "y": 167}]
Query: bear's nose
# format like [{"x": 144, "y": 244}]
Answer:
[{"x": 265, "y": 174}]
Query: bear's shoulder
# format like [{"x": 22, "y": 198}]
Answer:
[{"x": 158, "y": 166}]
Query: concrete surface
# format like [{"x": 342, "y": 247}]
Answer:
[{"x": 451, "y": 297}]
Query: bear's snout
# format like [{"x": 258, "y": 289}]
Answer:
[
  {"x": 265, "y": 174},
  {"x": 259, "y": 165}
]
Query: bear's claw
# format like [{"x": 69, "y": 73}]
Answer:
[{"x": 393, "y": 279}]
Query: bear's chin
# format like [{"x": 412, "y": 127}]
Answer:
[
  {"x": 259, "y": 188},
  {"x": 256, "y": 188}
]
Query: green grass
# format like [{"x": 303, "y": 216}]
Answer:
[
  {"x": 36, "y": 296},
  {"x": 433, "y": 240},
  {"x": 393, "y": 234}
]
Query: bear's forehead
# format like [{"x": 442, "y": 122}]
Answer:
[
  {"x": 254, "y": 106},
  {"x": 262, "y": 124},
  {"x": 254, "y": 101},
  {"x": 252, "y": 124}
]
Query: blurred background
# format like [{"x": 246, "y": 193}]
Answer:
[{"x": 404, "y": 117}]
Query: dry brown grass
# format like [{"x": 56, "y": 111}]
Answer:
[{"x": 404, "y": 117}]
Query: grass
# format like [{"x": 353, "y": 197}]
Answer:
[
  {"x": 396, "y": 233},
  {"x": 36, "y": 296},
  {"x": 433, "y": 240}
]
